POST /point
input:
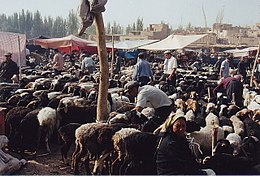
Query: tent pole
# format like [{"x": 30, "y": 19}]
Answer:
[
  {"x": 19, "y": 60},
  {"x": 254, "y": 66},
  {"x": 113, "y": 55}
]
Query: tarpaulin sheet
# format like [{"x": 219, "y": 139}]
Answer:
[{"x": 14, "y": 43}]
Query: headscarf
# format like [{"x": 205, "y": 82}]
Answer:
[{"x": 173, "y": 117}]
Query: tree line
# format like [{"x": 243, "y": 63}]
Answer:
[{"x": 34, "y": 25}]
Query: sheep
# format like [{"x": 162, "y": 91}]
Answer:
[
  {"x": 12, "y": 121},
  {"x": 238, "y": 125},
  {"x": 223, "y": 162},
  {"x": 148, "y": 112},
  {"x": 180, "y": 104},
  {"x": 67, "y": 134},
  {"x": 118, "y": 141},
  {"x": 48, "y": 121},
  {"x": 139, "y": 154},
  {"x": 92, "y": 139},
  {"x": 204, "y": 137},
  {"x": 211, "y": 107},
  {"x": 28, "y": 135},
  {"x": 256, "y": 116},
  {"x": 235, "y": 141},
  {"x": 71, "y": 113}
]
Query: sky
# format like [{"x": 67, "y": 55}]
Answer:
[{"x": 173, "y": 12}]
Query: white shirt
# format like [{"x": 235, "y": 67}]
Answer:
[
  {"x": 169, "y": 65},
  {"x": 88, "y": 62},
  {"x": 152, "y": 97}
]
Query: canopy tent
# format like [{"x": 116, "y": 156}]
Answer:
[
  {"x": 32, "y": 47},
  {"x": 130, "y": 44},
  {"x": 241, "y": 52},
  {"x": 66, "y": 44},
  {"x": 173, "y": 42},
  {"x": 14, "y": 43}
]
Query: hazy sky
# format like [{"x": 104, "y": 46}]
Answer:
[{"x": 173, "y": 12}]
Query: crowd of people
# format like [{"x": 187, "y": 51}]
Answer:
[{"x": 173, "y": 155}]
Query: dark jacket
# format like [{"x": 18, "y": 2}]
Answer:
[
  {"x": 8, "y": 69},
  {"x": 241, "y": 68},
  {"x": 174, "y": 157}
]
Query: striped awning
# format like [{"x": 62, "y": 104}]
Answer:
[{"x": 14, "y": 43}]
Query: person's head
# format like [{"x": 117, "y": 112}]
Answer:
[
  {"x": 238, "y": 77},
  {"x": 132, "y": 88},
  {"x": 167, "y": 54},
  {"x": 229, "y": 57},
  {"x": 141, "y": 55},
  {"x": 175, "y": 123},
  {"x": 8, "y": 56}
]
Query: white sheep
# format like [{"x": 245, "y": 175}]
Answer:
[
  {"x": 235, "y": 140},
  {"x": 49, "y": 121},
  {"x": 204, "y": 136},
  {"x": 238, "y": 125},
  {"x": 210, "y": 107},
  {"x": 148, "y": 112},
  {"x": 190, "y": 115},
  {"x": 118, "y": 101}
]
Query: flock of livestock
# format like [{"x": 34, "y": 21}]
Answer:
[{"x": 45, "y": 108}]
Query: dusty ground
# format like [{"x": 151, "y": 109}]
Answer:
[{"x": 50, "y": 164}]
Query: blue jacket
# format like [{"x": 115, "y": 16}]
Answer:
[{"x": 142, "y": 68}]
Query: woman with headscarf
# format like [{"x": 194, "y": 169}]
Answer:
[{"x": 173, "y": 156}]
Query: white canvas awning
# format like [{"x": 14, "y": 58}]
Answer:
[
  {"x": 130, "y": 44},
  {"x": 173, "y": 42},
  {"x": 241, "y": 52}
]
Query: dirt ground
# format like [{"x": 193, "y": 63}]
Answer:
[{"x": 45, "y": 164}]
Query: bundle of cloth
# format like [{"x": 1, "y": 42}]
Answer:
[{"x": 8, "y": 163}]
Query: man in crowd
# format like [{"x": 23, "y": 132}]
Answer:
[
  {"x": 142, "y": 72},
  {"x": 57, "y": 62},
  {"x": 88, "y": 64},
  {"x": 170, "y": 68},
  {"x": 150, "y": 96},
  {"x": 217, "y": 65},
  {"x": 241, "y": 68},
  {"x": 224, "y": 68},
  {"x": 8, "y": 68},
  {"x": 117, "y": 64},
  {"x": 231, "y": 86}
]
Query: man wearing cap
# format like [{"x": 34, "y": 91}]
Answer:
[
  {"x": 150, "y": 96},
  {"x": 142, "y": 72},
  {"x": 170, "y": 68},
  {"x": 230, "y": 86},
  {"x": 8, "y": 68}
]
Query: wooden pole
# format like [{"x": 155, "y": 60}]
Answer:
[
  {"x": 113, "y": 55},
  {"x": 102, "y": 111},
  {"x": 19, "y": 60},
  {"x": 254, "y": 67},
  {"x": 214, "y": 137}
]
